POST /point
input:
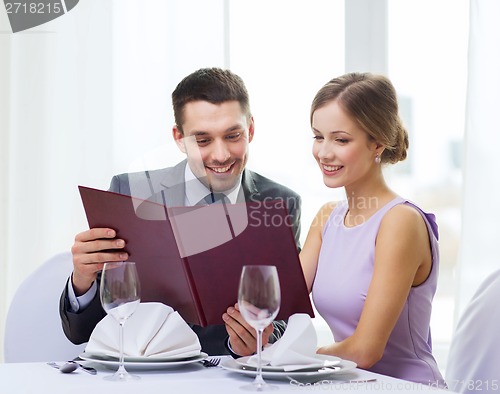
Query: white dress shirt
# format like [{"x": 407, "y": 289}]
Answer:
[{"x": 196, "y": 191}]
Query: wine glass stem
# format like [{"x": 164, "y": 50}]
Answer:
[
  {"x": 121, "y": 367},
  {"x": 258, "y": 378}
]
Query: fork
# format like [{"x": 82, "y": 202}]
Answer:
[
  {"x": 213, "y": 362},
  {"x": 326, "y": 381}
]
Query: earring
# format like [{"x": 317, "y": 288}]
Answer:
[{"x": 377, "y": 159}]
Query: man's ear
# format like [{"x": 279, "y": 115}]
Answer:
[
  {"x": 179, "y": 138},
  {"x": 250, "y": 129}
]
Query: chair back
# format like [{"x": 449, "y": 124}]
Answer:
[
  {"x": 474, "y": 357},
  {"x": 33, "y": 330}
]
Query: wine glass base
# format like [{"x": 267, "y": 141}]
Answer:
[
  {"x": 259, "y": 386},
  {"x": 120, "y": 376}
]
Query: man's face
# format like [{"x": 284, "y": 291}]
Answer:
[{"x": 215, "y": 140}]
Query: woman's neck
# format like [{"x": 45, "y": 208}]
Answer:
[{"x": 365, "y": 201}]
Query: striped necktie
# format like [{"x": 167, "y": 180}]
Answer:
[{"x": 214, "y": 198}]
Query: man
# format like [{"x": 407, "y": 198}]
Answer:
[{"x": 213, "y": 127}]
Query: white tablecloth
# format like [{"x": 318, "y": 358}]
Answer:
[{"x": 39, "y": 378}]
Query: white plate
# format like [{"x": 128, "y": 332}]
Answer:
[
  {"x": 344, "y": 366},
  {"x": 139, "y": 359},
  {"x": 144, "y": 364},
  {"x": 323, "y": 361}
]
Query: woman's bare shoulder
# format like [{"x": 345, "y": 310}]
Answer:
[
  {"x": 327, "y": 209},
  {"x": 404, "y": 217},
  {"x": 324, "y": 213}
]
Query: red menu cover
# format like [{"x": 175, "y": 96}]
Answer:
[{"x": 191, "y": 257}]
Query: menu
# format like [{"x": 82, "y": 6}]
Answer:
[{"x": 191, "y": 258}]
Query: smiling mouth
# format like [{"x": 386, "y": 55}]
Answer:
[
  {"x": 221, "y": 170},
  {"x": 331, "y": 168}
]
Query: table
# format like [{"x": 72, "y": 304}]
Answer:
[{"x": 39, "y": 378}]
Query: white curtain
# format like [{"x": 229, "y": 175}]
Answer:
[
  {"x": 55, "y": 116},
  {"x": 481, "y": 215},
  {"x": 82, "y": 98}
]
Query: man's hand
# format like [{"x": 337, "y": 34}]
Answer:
[
  {"x": 242, "y": 336},
  {"x": 90, "y": 251}
]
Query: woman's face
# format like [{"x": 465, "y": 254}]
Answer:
[{"x": 344, "y": 152}]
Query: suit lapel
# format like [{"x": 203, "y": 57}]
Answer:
[
  {"x": 174, "y": 188},
  {"x": 249, "y": 186}
]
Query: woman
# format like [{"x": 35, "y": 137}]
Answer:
[{"x": 371, "y": 262}]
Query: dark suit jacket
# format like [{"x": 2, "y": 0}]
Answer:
[{"x": 169, "y": 184}]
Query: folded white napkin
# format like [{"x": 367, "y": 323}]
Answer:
[
  {"x": 154, "y": 330},
  {"x": 295, "y": 349}
]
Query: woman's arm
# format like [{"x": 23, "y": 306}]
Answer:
[
  {"x": 402, "y": 260},
  {"x": 310, "y": 252}
]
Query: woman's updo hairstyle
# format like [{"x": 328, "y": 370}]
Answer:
[{"x": 371, "y": 101}]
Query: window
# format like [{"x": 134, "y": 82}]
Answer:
[
  {"x": 428, "y": 66},
  {"x": 286, "y": 56}
]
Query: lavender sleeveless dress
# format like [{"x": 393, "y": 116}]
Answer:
[{"x": 345, "y": 269}]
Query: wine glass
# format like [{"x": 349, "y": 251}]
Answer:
[
  {"x": 120, "y": 297},
  {"x": 259, "y": 300}
]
